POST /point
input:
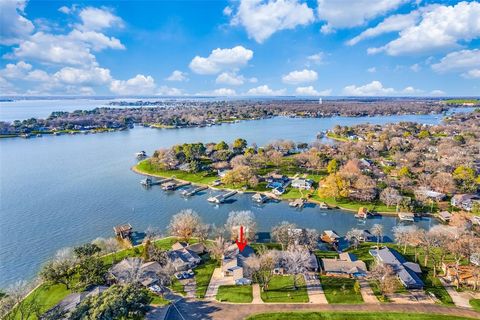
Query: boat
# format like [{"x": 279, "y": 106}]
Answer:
[
  {"x": 141, "y": 154},
  {"x": 406, "y": 216},
  {"x": 146, "y": 182},
  {"x": 298, "y": 203},
  {"x": 323, "y": 205},
  {"x": 362, "y": 213},
  {"x": 169, "y": 186},
  {"x": 259, "y": 198}
]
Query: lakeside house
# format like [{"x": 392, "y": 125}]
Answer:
[
  {"x": 330, "y": 236},
  {"x": 429, "y": 194},
  {"x": 145, "y": 273},
  {"x": 407, "y": 272},
  {"x": 184, "y": 256},
  {"x": 123, "y": 231},
  {"x": 445, "y": 216},
  {"x": 465, "y": 275},
  {"x": 70, "y": 302},
  {"x": 233, "y": 263},
  {"x": 465, "y": 201},
  {"x": 301, "y": 183},
  {"x": 346, "y": 265}
]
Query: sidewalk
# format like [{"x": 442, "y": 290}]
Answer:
[
  {"x": 367, "y": 292},
  {"x": 257, "y": 298},
  {"x": 314, "y": 289}
]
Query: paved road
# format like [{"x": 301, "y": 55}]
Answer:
[{"x": 189, "y": 309}]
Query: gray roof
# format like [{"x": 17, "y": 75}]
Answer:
[
  {"x": 406, "y": 271},
  {"x": 347, "y": 263}
]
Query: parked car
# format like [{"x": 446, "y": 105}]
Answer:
[
  {"x": 155, "y": 288},
  {"x": 179, "y": 275}
]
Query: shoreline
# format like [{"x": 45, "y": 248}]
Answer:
[{"x": 266, "y": 193}]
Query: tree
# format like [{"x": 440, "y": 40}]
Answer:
[
  {"x": 377, "y": 231},
  {"x": 241, "y": 176},
  {"x": 14, "y": 306},
  {"x": 465, "y": 178},
  {"x": 443, "y": 182},
  {"x": 334, "y": 186},
  {"x": 158, "y": 255},
  {"x": 222, "y": 145},
  {"x": 261, "y": 266},
  {"x": 354, "y": 236},
  {"x": 117, "y": 302},
  {"x": 239, "y": 145},
  {"x": 332, "y": 166},
  {"x": 91, "y": 271},
  {"x": 384, "y": 274},
  {"x": 86, "y": 250},
  {"x": 282, "y": 233},
  {"x": 241, "y": 218},
  {"x": 217, "y": 248},
  {"x": 390, "y": 196},
  {"x": 146, "y": 250},
  {"x": 296, "y": 262},
  {"x": 184, "y": 224},
  {"x": 58, "y": 272}
]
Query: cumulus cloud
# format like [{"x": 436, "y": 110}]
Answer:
[
  {"x": 139, "y": 84},
  {"x": 169, "y": 91},
  {"x": 441, "y": 28},
  {"x": 177, "y": 75},
  {"x": 460, "y": 61},
  {"x": 472, "y": 74},
  {"x": 437, "y": 93},
  {"x": 98, "y": 19},
  {"x": 78, "y": 76},
  {"x": 411, "y": 91},
  {"x": 264, "y": 90},
  {"x": 231, "y": 79},
  {"x": 302, "y": 76},
  {"x": 311, "y": 91},
  {"x": 14, "y": 26},
  {"x": 221, "y": 59},
  {"x": 224, "y": 92},
  {"x": 374, "y": 88},
  {"x": 352, "y": 13},
  {"x": 261, "y": 18}
]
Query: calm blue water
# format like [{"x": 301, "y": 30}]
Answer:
[{"x": 65, "y": 190}]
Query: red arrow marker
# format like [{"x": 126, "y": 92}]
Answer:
[{"x": 242, "y": 241}]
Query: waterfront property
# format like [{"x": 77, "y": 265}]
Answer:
[
  {"x": 233, "y": 261},
  {"x": 123, "y": 231},
  {"x": 465, "y": 201},
  {"x": 184, "y": 257},
  {"x": 346, "y": 265},
  {"x": 406, "y": 271},
  {"x": 126, "y": 270}
]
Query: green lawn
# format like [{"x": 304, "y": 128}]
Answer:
[
  {"x": 281, "y": 289},
  {"x": 158, "y": 300},
  {"x": 48, "y": 296},
  {"x": 432, "y": 284},
  {"x": 325, "y": 254},
  {"x": 203, "y": 274},
  {"x": 201, "y": 178},
  {"x": 354, "y": 205},
  {"x": 475, "y": 303},
  {"x": 375, "y": 285},
  {"x": 340, "y": 290},
  {"x": 351, "y": 316},
  {"x": 237, "y": 294},
  {"x": 178, "y": 287}
]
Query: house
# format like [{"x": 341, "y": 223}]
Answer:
[
  {"x": 407, "y": 272},
  {"x": 233, "y": 263},
  {"x": 330, "y": 236},
  {"x": 312, "y": 264},
  {"x": 445, "y": 216},
  {"x": 222, "y": 173},
  {"x": 183, "y": 258},
  {"x": 278, "y": 191},
  {"x": 198, "y": 248},
  {"x": 429, "y": 194},
  {"x": 466, "y": 274},
  {"x": 70, "y": 303},
  {"x": 346, "y": 265},
  {"x": 145, "y": 273},
  {"x": 301, "y": 183},
  {"x": 123, "y": 231},
  {"x": 465, "y": 201}
]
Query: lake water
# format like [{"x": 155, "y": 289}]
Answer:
[{"x": 59, "y": 191}]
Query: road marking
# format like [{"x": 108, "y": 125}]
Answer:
[{"x": 175, "y": 306}]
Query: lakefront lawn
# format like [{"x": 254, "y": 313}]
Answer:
[{"x": 281, "y": 289}]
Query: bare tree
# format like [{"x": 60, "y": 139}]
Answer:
[
  {"x": 385, "y": 275},
  {"x": 261, "y": 266},
  {"x": 241, "y": 218},
  {"x": 390, "y": 196},
  {"x": 296, "y": 261},
  {"x": 185, "y": 224},
  {"x": 217, "y": 248},
  {"x": 283, "y": 233},
  {"x": 354, "y": 237},
  {"x": 14, "y": 306},
  {"x": 377, "y": 231}
]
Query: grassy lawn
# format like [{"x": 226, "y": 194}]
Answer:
[
  {"x": 48, "y": 296},
  {"x": 432, "y": 284},
  {"x": 238, "y": 294},
  {"x": 320, "y": 254},
  {"x": 354, "y": 205},
  {"x": 340, "y": 290},
  {"x": 203, "y": 273},
  {"x": 475, "y": 303},
  {"x": 158, "y": 300},
  {"x": 351, "y": 316},
  {"x": 269, "y": 246},
  {"x": 178, "y": 287},
  {"x": 281, "y": 289},
  {"x": 201, "y": 177}
]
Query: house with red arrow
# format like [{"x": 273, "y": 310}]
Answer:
[{"x": 233, "y": 261}]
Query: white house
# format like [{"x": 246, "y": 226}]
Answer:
[{"x": 301, "y": 183}]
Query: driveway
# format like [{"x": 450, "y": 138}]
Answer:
[
  {"x": 217, "y": 280},
  {"x": 314, "y": 288},
  {"x": 189, "y": 309},
  {"x": 459, "y": 299},
  {"x": 189, "y": 286},
  {"x": 367, "y": 292}
]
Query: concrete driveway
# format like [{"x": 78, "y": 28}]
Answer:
[{"x": 216, "y": 281}]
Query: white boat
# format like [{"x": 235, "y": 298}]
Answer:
[{"x": 141, "y": 154}]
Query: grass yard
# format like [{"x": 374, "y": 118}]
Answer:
[
  {"x": 201, "y": 178},
  {"x": 375, "y": 285},
  {"x": 352, "y": 316},
  {"x": 354, "y": 205},
  {"x": 340, "y": 290},
  {"x": 203, "y": 274},
  {"x": 237, "y": 294},
  {"x": 178, "y": 287},
  {"x": 475, "y": 303},
  {"x": 320, "y": 254},
  {"x": 158, "y": 300},
  {"x": 281, "y": 289}
]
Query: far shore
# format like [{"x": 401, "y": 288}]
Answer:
[{"x": 140, "y": 172}]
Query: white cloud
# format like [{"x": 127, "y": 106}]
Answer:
[
  {"x": 227, "y": 11},
  {"x": 261, "y": 18},
  {"x": 37, "y": 75},
  {"x": 7, "y": 88},
  {"x": 317, "y": 58},
  {"x": 224, "y": 92},
  {"x": 98, "y": 19},
  {"x": 169, "y": 91},
  {"x": 297, "y": 77},
  {"x": 177, "y": 75},
  {"x": 352, "y": 13},
  {"x": 65, "y": 10},
  {"x": 374, "y": 88},
  {"x": 311, "y": 91},
  {"x": 441, "y": 28},
  {"x": 264, "y": 90},
  {"x": 437, "y": 93},
  {"x": 96, "y": 40},
  {"x": 253, "y": 80},
  {"x": 231, "y": 79},
  {"x": 140, "y": 84},
  {"x": 411, "y": 91},
  {"x": 372, "y": 70},
  {"x": 471, "y": 74},
  {"x": 76, "y": 76},
  {"x": 14, "y": 27},
  {"x": 221, "y": 59},
  {"x": 459, "y": 61},
  {"x": 16, "y": 71},
  {"x": 393, "y": 23}
]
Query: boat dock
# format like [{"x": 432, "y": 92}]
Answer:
[
  {"x": 222, "y": 197},
  {"x": 171, "y": 186},
  {"x": 406, "y": 216},
  {"x": 189, "y": 193},
  {"x": 297, "y": 203},
  {"x": 151, "y": 182}
]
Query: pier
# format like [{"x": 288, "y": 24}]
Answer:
[
  {"x": 151, "y": 182},
  {"x": 189, "y": 193},
  {"x": 171, "y": 186},
  {"x": 298, "y": 203},
  {"x": 222, "y": 197}
]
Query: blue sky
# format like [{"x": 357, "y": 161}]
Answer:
[{"x": 248, "y": 47}]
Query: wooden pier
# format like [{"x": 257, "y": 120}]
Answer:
[
  {"x": 171, "y": 186},
  {"x": 222, "y": 197},
  {"x": 189, "y": 193},
  {"x": 151, "y": 182}
]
